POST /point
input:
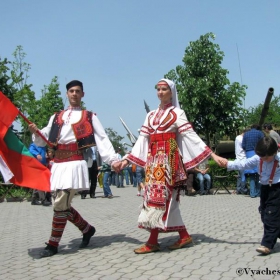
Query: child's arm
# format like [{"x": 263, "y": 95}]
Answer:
[{"x": 243, "y": 164}]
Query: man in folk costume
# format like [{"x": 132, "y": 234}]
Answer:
[
  {"x": 71, "y": 131},
  {"x": 166, "y": 147}
]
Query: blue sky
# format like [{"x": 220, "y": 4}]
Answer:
[{"x": 119, "y": 49}]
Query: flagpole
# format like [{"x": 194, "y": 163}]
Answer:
[{"x": 37, "y": 131}]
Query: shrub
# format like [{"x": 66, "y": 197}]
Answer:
[
  {"x": 216, "y": 170},
  {"x": 19, "y": 192}
]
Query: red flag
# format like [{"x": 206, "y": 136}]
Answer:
[
  {"x": 8, "y": 113},
  {"x": 27, "y": 170}
]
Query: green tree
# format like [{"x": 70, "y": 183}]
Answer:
[
  {"x": 20, "y": 68},
  {"x": 211, "y": 103},
  {"x": 6, "y": 83},
  {"x": 115, "y": 138},
  {"x": 49, "y": 103},
  {"x": 273, "y": 117},
  {"x": 15, "y": 83},
  {"x": 24, "y": 98}
]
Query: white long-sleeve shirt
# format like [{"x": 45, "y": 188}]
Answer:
[
  {"x": 74, "y": 174},
  {"x": 254, "y": 161}
]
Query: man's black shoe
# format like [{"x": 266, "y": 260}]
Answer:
[
  {"x": 48, "y": 251},
  {"x": 36, "y": 202},
  {"x": 86, "y": 237},
  {"x": 46, "y": 203}
]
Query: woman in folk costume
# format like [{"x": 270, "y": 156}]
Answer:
[{"x": 167, "y": 146}]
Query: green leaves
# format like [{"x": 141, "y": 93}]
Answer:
[
  {"x": 205, "y": 92},
  {"x": 13, "y": 83},
  {"x": 253, "y": 114},
  {"x": 115, "y": 138}
]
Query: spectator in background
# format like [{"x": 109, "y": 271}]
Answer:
[
  {"x": 38, "y": 152},
  {"x": 119, "y": 176},
  {"x": 133, "y": 169},
  {"x": 129, "y": 170},
  {"x": 269, "y": 131},
  {"x": 50, "y": 161},
  {"x": 130, "y": 175},
  {"x": 249, "y": 142},
  {"x": 93, "y": 172},
  {"x": 140, "y": 175},
  {"x": 120, "y": 179},
  {"x": 203, "y": 177},
  {"x": 90, "y": 156},
  {"x": 190, "y": 183},
  {"x": 240, "y": 154},
  {"x": 126, "y": 175},
  {"x": 50, "y": 156},
  {"x": 106, "y": 169},
  {"x": 113, "y": 178}
]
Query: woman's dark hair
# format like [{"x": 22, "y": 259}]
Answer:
[{"x": 267, "y": 146}]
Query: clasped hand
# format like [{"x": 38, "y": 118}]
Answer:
[{"x": 119, "y": 165}]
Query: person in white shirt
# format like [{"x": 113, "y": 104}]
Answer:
[
  {"x": 240, "y": 154},
  {"x": 70, "y": 132},
  {"x": 272, "y": 133}
]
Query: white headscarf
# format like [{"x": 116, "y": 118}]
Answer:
[{"x": 172, "y": 86}]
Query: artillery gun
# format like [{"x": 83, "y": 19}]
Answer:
[
  {"x": 266, "y": 106},
  {"x": 227, "y": 148}
]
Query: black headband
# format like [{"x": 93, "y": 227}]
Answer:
[{"x": 74, "y": 83}]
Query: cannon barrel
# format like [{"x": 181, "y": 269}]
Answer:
[{"x": 266, "y": 105}]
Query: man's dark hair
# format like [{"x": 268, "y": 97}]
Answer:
[
  {"x": 74, "y": 83},
  {"x": 256, "y": 126},
  {"x": 267, "y": 146},
  {"x": 268, "y": 126}
]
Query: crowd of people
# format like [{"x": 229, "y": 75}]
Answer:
[{"x": 166, "y": 159}]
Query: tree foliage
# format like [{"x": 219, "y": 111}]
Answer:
[
  {"x": 14, "y": 84},
  {"x": 211, "y": 103},
  {"x": 6, "y": 84},
  {"x": 14, "y": 77},
  {"x": 273, "y": 116},
  {"x": 20, "y": 68},
  {"x": 49, "y": 103},
  {"x": 115, "y": 138}
]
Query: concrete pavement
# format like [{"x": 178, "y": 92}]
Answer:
[{"x": 226, "y": 230}]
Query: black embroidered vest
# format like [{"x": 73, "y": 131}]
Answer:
[{"x": 83, "y": 129}]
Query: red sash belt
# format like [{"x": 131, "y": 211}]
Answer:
[
  {"x": 67, "y": 152},
  {"x": 68, "y": 147},
  {"x": 162, "y": 137}
]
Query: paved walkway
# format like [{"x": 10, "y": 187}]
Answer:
[{"x": 226, "y": 230}]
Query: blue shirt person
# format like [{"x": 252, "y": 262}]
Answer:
[{"x": 249, "y": 142}]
